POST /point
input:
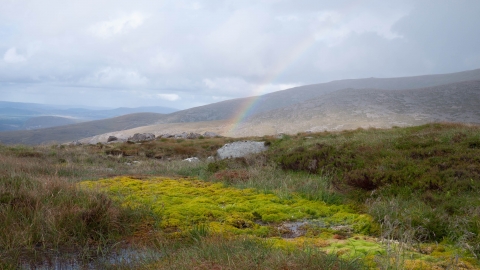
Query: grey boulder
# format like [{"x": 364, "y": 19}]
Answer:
[{"x": 240, "y": 149}]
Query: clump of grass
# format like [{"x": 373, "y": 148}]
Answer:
[
  {"x": 259, "y": 173},
  {"x": 429, "y": 157},
  {"x": 38, "y": 214}
]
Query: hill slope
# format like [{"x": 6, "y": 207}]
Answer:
[
  {"x": 230, "y": 108},
  {"x": 353, "y": 108},
  {"x": 77, "y": 131}
]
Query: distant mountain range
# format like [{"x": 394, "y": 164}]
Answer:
[
  {"x": 73, "y": 132},
  {"x": 26, "y": 116},
  {"x": 336, "y": 105}
]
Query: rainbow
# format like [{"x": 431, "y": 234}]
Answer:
[
  {"x": 249, "y": 104},
  {"x": 297, "y": 51}
]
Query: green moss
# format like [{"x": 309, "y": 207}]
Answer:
[
  {"x": 193, "y": 209},
  {"x": 184, "y": 202}
]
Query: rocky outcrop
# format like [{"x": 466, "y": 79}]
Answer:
[
  {"x": 240, "y": 149},
  {"x": 141, "y": 137}
]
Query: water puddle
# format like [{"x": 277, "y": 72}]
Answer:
[
  {"x": 125, "y": 257},
  {"x": 294, "y": 229}
]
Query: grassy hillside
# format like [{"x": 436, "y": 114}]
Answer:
[
  {"x": 69, "y": 133},
  {"x": 401, "y": 198}
]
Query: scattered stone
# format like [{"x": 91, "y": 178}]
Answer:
[
  {"x": 141, "y": 137},
  {"x": 112, "y": 139},
  {"x": 192, "y": 159},
  {"x": 280, "y": 135},
  {"x": 211, "y": 159},
  {"x": 75, "y": 143},
  {"x": 192, "y": 135},
  {"x": 183, "y": 135},
  {"x": 209, "y": 134},
  {"x": 119, "y": 140},
  {"x": 166, "y": 136},
  {"x": 240, "y": 149}
]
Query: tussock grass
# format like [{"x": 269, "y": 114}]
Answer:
[{"x": 42, "y": 210}]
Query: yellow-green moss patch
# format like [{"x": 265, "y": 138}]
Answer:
[
  {"x": 186, "y": 206},
  {"x": 182, "y": 203}
]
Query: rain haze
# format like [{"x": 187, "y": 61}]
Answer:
[{"x": 183, "y": 54}]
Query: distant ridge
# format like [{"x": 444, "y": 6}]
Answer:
[
  {"x": 48, "y": 121},
  {"x": 77, "y": 131},
  {"x": 228, "y": 109},
  {"x": 353, "y": 108}
]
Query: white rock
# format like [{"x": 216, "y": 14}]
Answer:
[{"x": 240, "y": 149}]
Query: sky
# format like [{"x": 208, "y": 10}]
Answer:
[{"x": 183, "y": 54}]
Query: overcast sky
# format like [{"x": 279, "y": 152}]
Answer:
[{"x": 188, "y": 53}]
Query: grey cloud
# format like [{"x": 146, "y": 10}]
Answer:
[
  {"x": 133, "y": 53},
  {"x": 444, "y": 32}
]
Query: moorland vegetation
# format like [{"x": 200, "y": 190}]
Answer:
[{"x": 400, "y": 198}]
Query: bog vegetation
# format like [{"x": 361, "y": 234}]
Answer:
[{"x": 402, "y": 198}]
